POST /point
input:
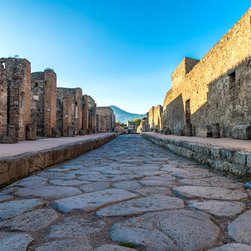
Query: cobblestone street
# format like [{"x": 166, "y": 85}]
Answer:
[{"x": 126, "y": 195}]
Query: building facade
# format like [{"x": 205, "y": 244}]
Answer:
[
  {"x": 89, "y": 114},
  {"x": 105, "y": 119},
  {"x": 211, "y": 97},
  {"x": 43, "y": 102},
  {"x": 69, "y": 111},
  {"x": 15, "y": 92}
]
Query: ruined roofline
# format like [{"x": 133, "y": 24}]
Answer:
[
  {"x": 66, "y": 88},
  {"x": 216, "y": 46},
  {"x": 20, "y": 60}
]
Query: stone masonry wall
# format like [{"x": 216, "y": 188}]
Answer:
[
  {"x": 105, "y": 119},
  {"x": 18, "y": 74},
  {"x": 43, "y": 102},
  {"x": 69, "y": 111},
  {"x": 154, "y": 118},
  {"x": 193, "y": 79},
  {"x": 3, "y": 101}
]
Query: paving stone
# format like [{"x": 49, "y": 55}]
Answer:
[
  {"x": 94, "y": 200},
  {"x": 219, "y": 208},
  {"x": 56, "y": 175},
  {"x": 142, "y": 205},
  {"x": 8, "y": 190},
  {"x": 154, "y": 190},
  {"x": 75, "y": 227},
  {"x": 113, "y": 248},
  {"x": 6, "y": 197},
  {"x": 92, "y": 187},
  {"x": 31, "y": 221},
  {"x": 189, "y": 172},
  {"x": 14, "y": 241},
  {"x": 32, "y": 181},
  {"x": 178, "y": 230},
  {"x": 212, "y": 181},
  {"x": 66, "y": 245},
  {"x": 240, "y": 228},
  {"x": 157, "y": 183},
  {"x": 68, "y": 182},
  {"x": 210, "y": 193},
  {"x": 233, "y": 247},
  {"x": 48, "y": 192},
  {"x": 13, "y": 208},
  {"x": 106, "y": 177},
  {"x": 129, "y": 185}
]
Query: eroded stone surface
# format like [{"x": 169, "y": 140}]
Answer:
[
  {"x": 75, "y": 227},
  {"x": 91, "y": 201},
  {"x": 48, "y": 192},
  {"x": 31, "y": 221},
  {"x": 14, "y": 241},
  {"x": 169, "y": 230},
  {"x": 32, "y": 181},
  {"x": 219, "y": 208},
  {"x": 13, "y": 208},
  {"x": 92, "y": 187},
  {"x": 129, "y": 185},
  {"x": 68, "y": 182},
  {"x": 240, "y": 228},
  {"x": 210, "y": 193},
  {"x": 141, "y": 205},
  {"x": 233, "y": 247},
  {"x": 66, "y": 245},
  {"x": 113, "y": 248}
]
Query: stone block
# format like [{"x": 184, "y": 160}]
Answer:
[
  {"x": 31, "y": 132},
  {"x": 240, "y": 158},
  {"x": 241, "y": 131},
  {"x": 4, "y": 178}
]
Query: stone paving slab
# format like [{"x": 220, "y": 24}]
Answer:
[
  {"x": 94, "y": 200},
  {"x": 142, "y": 205},
  {"x": 169, "y": 230},
  {"x": 129, "y": 192}
]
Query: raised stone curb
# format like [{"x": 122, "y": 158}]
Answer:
[
  {"x": 227, "y": 159},
  {"x": 16, "y": 167}
]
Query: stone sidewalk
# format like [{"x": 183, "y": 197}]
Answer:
[
  {"x": 227, "y": 155},
  {"x": 126, "y": 195},
  {"x": 22, "y": 159},
  {"x": 8, "y": 150}
]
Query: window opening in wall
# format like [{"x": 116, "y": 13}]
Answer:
[
  {"x": 188, "y": 112},
  {"x": 232, "y": 77}
]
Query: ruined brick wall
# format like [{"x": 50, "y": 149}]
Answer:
[
  {"x": 92, "y": 115},
  {"x": 50, "y": 97},
  {"x": 105, "y": 119},
  {"x": 43, "y": 102},
  {"x": 192, "y": 78},
  {"x": 3, "y": 101},
  {"x": 85, "y": 116},
  {"x": 18, "y": 75},
  {"x": 154, "y": 118},
  {"x": 69, "y": 110}
]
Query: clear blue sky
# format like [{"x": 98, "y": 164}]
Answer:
[{"x": 121, "y": 52}]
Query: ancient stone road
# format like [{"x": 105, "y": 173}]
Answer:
[{"x": 128, "y": 192}]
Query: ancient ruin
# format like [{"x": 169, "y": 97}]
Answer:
[
  {"x": 211, "y": 97},
  {"x": 69, "y": 111},
  {"x": 89, "y": 114},
  {"x": 105, "y": 119},
  {"x": 154, "y": 118},
  {"x": 15, "y": 104},
  {"x": 43, "y": 102}
]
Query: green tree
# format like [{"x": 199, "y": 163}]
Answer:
[{"x": 137, "y": 121}]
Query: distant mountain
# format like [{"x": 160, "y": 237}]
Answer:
[{"x": 124, "y": 116}]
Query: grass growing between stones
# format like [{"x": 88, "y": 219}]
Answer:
[{"x": 126, "y": 244}]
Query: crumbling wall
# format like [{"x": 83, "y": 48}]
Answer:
[
  {"x": 69, "y": 111},
  {"x": 3, "y": 101},
  {"x": 155, "y": 118},
  {"x": 18, "y": 76},
  {"x": 43, "y": 102},
  {"x": 105, "y": 119}
]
